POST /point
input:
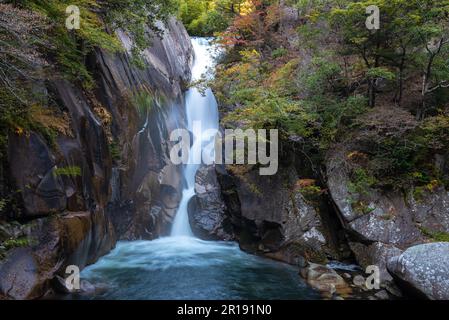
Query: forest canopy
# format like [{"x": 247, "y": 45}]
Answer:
[
  {"x": 313, "y": 70},
  {"x": 207, "y": 17}
]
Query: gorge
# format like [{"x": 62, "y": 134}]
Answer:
[
  {"x": 182, "y": 266},
  {"x": 87, "y": 178}
]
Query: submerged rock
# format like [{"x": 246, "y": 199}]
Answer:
[
  {"x": 382, "y": 295},
  {"x": 60, "y": 286},
  {"x": 325, "y": 280},
  {"x": 423, "y": 270}
]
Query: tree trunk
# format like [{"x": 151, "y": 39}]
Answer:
[{"x": 398, "y": 98}]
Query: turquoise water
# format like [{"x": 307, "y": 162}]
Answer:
[{"x": 190, "y": 269}]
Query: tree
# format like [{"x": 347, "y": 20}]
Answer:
[
  {"x": 206, "y": 17},
  {"x": 22, "y": 34},
  {"x": 407, "y": 26},
  {"x": 435, "y": 74}
]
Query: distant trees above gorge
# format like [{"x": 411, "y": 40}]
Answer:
[
  {"x": 206, "y": 17},
  {"x": 413, "y": 36}
]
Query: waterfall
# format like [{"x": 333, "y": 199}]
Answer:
[{"x": 200, "y": 107}]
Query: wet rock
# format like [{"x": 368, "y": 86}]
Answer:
[
  {"x": 359, "y": 281},
  {"x": 423, "y": 270},
  {"x": 87, "y": 288},
  {"x": 55, "y": 242},
  {"x": 347, "y": 276},
  {"x": 325, "y": 280},
  {"x": 207, "y": 210},
  {"x": 60, "y": 286}
]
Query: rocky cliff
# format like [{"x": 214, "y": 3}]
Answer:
[
  {"x": 109, "y": 177},
  {"x": 381, "y": 224}
]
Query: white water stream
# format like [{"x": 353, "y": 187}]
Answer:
[{"x": 200, "y": 108}]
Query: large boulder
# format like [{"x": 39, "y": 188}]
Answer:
[
  {"x": 423, "y": 270},
  {"x": 207, "y": 210}
]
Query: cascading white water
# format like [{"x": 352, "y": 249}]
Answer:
[{"x": 201, "y": 107}]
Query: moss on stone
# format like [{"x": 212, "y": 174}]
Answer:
[{"x": 435, "y": 236}]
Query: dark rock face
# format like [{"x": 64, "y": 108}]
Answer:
[
  {"x": 270, "y": 216},
  {"x": 207, "y": 210},
  {"x": 392, "y": 222},
  {"x": 88, "y": 150},
  {"x": 75, "y": 218},
  {"x": 423, "y": 270},
  {"x": 146, "y": 184},
  {"x": 32, "y": 169}
]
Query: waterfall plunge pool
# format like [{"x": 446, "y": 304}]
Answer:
[{"x": 183, "y": 268}]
